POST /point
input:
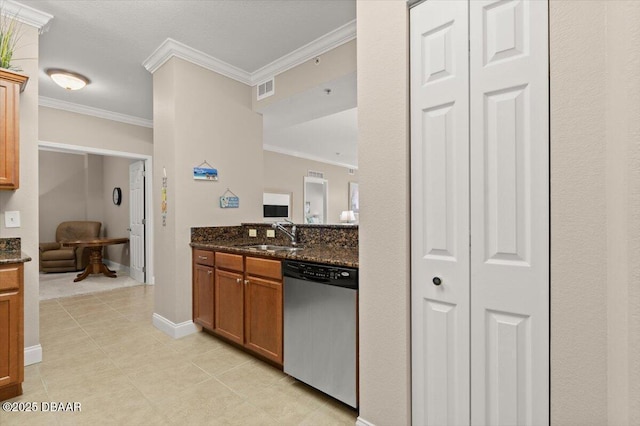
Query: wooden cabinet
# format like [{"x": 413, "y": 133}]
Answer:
[
  {"x": 247, "y": 302},
  {"x": 229, "y": 302},
  {"x": 11, "y": 84},
  {"x": 11, "y": 330},
  {"x": 263, "y": 307},
  {"x": 203, "y": 288}
]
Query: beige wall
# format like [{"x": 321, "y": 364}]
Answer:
[
  {"x": 25, "y": 199},
  {"x": 115, "y": 219},
  {"x": 285, "y": 173},
  {"x": 383, "y": 144},
  {"x": 623, "y": 210},
  {"x": 199, "y": 115},
  {"x": 77, "y": 129},
  {"x": 62, "y": 190},
  {"x": 578, "y": 214},
  {"x": 336, "y": 63}
]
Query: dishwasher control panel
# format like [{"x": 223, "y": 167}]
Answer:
[{"x": 326, "y": 274}]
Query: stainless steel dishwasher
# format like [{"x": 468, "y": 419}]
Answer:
[{"x": 320, "y": 325}]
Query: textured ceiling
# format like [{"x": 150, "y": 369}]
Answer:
[{"x": 107, "y": 41}]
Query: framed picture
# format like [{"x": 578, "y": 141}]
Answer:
[
  {"x": 205, "y": 173},
  {"x": 354, "y": 203}
]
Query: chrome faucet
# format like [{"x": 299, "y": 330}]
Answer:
[{"x": 292, "y": 234}]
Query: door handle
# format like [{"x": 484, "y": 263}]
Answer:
[
  {"x": 129, "y": 229},
  {"x": 436, "y": 281}
]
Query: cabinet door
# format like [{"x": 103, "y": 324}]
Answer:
[
  {"x": 10, "y": 339},
  {"x": 263, "y": 317},
  {"x": 203, "y": 296},
  {"x": 229, "y": 312},
  {"x": 509, "y": 107},
  {"x": 9, "y": 94},
  {"x": 440, "y": 213}
]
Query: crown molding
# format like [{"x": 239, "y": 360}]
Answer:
[
  {"x": 94, "y": 112},
  {"x": 170, "y": 48},
  {"x": 27, "y": 15},
  {"x": 306, "y": 156},
  {"x": 322, "y": 44}
]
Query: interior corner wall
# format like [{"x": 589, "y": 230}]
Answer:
[
  {"x": 62, "y": 191},
  {"x": 115, "y": 219},
  {"x": 200, "y": 116},
  {"x": 285, "y": 173},
  {"x": 25, "y": 199},
  {"x": 623, "y": 210},
  {"x": 578, "y": 213},
  {"x": 383, "y": 144},
  {"x": 337, "y": 62}
]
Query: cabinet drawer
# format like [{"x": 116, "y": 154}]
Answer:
[
  {"x": 10, "y": 277},
  {"x": 229, "y": 261},
  {"x": 203, "y": 257},
  {"x": 264, "y": 267}
]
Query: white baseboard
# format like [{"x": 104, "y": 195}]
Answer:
[
  {"x": 124, "y": 270},
  {"x": 362, "y": 422},
  {"x": 32, "y": 355},
  {"x": 172, "y": 329}
]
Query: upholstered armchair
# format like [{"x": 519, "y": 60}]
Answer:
[{"x": 55, "y": 258}]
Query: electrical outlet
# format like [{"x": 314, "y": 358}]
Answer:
[
  {"x": 271, "y": 233},
  {"x": 253, "y": 233},
  {"x": 12, "y": 219}
]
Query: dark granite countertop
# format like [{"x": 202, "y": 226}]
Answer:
[
  {"x": 10, "y": 251},
  {"x": 13, "y": 257},
  {"x": 327, "y": 244},
  {"x": 338, "y": 256}
]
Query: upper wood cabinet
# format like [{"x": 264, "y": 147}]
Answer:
[{"x": 11, "y": 84}]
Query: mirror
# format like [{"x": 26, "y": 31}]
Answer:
[{"x": 316, "y": 194}]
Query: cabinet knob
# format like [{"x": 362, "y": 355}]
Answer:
[
  {"x": 246, "y": 282},
  {"x": 238, "y": 280},
  {"x": 436, "y": 281},
  {"x": 209, "y": 272}
]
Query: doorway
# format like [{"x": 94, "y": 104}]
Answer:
[{"x": 145, "y": 269}]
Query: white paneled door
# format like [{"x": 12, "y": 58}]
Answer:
[
  {"x": 440, "y": 213},
  {"x": 480, "y": 212},
  {"x": 137, "y": 220},
  {"x": 509, "y": 212}
]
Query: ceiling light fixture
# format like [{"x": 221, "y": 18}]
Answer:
[{"x": 67, "y": 79}]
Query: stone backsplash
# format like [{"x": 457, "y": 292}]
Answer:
[{"x": 10, "y": 245}]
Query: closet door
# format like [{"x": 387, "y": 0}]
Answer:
[
  {"x": 509, "y": 212},
  {"x": 440, "y": 213}
]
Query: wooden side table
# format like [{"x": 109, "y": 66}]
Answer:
[{"x": 96, "y": 264}]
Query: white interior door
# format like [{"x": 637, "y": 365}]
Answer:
[
  {"x": 509, "y": 212},
  {"x": 440, "y": 213},
  {"x": 137, "y": 220}
]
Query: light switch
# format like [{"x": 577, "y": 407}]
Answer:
[
  {"x": 253, "y": 233},
  {"x": 271, "y": 233},
  {"x": 12, "y": 219}
]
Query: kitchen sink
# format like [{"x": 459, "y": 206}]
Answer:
[{"x": 268, "y": 247}]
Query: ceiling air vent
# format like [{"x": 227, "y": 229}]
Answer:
[
  {"x": 266, "y": 89},
  {"x": 312, "y": 173}
]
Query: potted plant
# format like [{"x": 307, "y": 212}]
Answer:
[{"x": 9, "y": 36}]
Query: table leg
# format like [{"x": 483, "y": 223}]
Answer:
[{"x": 95, "y": 266}]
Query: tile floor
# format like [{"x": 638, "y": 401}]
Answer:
[{"x": 102, "y": 350}]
